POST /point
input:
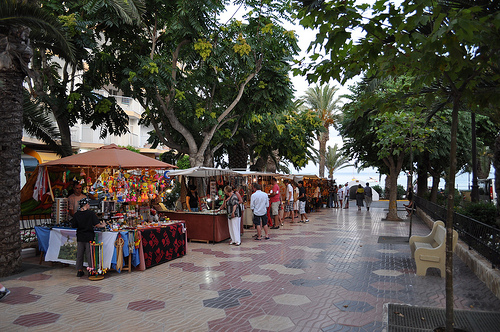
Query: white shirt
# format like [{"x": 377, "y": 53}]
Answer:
[
  {"x": 289, "y": 192},
  {"x": 259, "y": 202}
]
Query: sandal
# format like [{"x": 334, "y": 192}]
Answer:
[
  {"x": 258, "y": 239},
  {"x": 267, "y": 237}
]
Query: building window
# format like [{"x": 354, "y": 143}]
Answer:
[{"x": 126, "y": 100}]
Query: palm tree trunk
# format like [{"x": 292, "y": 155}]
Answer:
[
  {"x": 323, "y": 138},
  {"x": 11, "y": 127}
]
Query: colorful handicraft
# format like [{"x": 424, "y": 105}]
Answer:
[{"x": 95, "y": 269}]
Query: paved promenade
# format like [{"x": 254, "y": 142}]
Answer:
[{"x": 330, "y": 274}]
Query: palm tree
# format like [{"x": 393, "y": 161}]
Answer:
[
  {"x": 335, "y": 160},
  {"x": 17, "y": 20},
  {"x": 322, "y": 101}
]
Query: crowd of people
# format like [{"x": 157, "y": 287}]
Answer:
[{"x": 271, "y": 209}]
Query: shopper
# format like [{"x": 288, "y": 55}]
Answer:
[
  {"x": 295, "y": 200},
  {"x": 302, "y": 202},
  {"x": 346, "y": 196},
  {"x": 368, "y": 196},
  {"x": 274, "y": 201},
  {"x": 340, "y": 195},
  {"x": 232, "y": 204},
  {"x": 360, "y": 196},
  {"x": 84, "y": 221},
  {"x": 289, "y": 201},
  {"x": 259, "y": 203}
]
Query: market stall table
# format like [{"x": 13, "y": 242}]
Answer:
[
  {"x": 203, "y": 226},
  {"x": 157, "y": 245}
]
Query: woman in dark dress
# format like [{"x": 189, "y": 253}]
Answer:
[{"x": 360, "y": 196}]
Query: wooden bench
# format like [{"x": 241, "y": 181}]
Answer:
[{"x": 430, "y": 250}]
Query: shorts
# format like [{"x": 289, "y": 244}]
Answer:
[
  {"x": 289, "y": 206},
  {"x": 302, "y": 207},
  {"x": 275, "y": 208},
  {"x": 260, "y": 220}
]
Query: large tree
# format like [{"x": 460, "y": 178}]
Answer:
[
  {"x": 322, "y": 100},
  {"x": 274, "y": 140},
  {"x": 189, "y": 71},
  {"x": 58, "y": 87},
  {"x": 454, "y": 43},
  {"x": 17, "y": 20},
  {"x": 380, "y": 136}
]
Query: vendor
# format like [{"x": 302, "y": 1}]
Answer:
[
  {"x": 84, "y": 221},
  {"x": 192, "y": 199},
  {"x": 74, "y": 198}
]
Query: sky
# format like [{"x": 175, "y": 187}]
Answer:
[{"x": 349, "y": 173}]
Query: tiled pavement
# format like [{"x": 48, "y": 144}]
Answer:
[{"x": 328, "y": 275}]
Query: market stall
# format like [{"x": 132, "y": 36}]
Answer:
[
  {"x": 264, "y": 179},
  {"x": 123, "y": 185},
  {"x": 145, "y": 246},
  {"x": 207, "y": 225}
]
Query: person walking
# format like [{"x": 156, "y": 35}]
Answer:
[
  {"x": 295, "y": 200},
  {"x": 84, "y": 221},
  {"x": 340, "y": 195},
  {"x": 302, "y": 202},
  {"x": 368, "y": 196},
  {"x": 346, "y": 196},
  {"x": 274, "y": 200},
  {"x": 259, "y": 202},
  {"x": 289, "y": 201},
  {"x": 233, "y": 215},
  {"x": 360, "y": 196},
  {"x": 335, "y": 196}
]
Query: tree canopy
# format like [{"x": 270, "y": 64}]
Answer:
[{"x": 191, "y": 73}]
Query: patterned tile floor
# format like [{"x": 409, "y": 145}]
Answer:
[{"x": 328, "y": 275}]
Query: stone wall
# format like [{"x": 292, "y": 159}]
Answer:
[{"x": 477, "y": 263}]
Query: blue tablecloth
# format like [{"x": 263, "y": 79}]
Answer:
[{"x": 43, "y": 236}]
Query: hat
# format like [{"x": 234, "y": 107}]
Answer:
[{"x": 83, "y": 202}]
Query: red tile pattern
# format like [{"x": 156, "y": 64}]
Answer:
[
  {"x": 36, "y": 277},
  {"x": 146, "y": 305},
  {"x": 37, "y": 319},
  {"x": 323, "y": 266},
  {"x": 89, "y": 294},
  {"x": 20, "y": 295}
]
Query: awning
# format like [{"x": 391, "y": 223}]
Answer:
[
  {"x": 202, "y": 172},
  {"x": 41, "y": 156}
]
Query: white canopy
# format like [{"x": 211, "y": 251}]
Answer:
[
  {"x": 356, "y": 182},
  {"x": 201, "y": 172}
]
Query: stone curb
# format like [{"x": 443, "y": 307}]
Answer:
[{"x": 477, "y": 263}]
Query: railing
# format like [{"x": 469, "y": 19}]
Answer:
[
  {"x": 481, "y": 237},
  {"x": 27, "y": 227}
]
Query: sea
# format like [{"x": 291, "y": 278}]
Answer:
[{"x": 463, "y": 182}]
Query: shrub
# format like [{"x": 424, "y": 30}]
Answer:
[
  {"x": 482, "y": 211},
  {"x": 401, "y": 192},
  {"x": 379, "y": 189}
]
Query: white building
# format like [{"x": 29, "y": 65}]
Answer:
[{"x": 83, "y": 138}]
